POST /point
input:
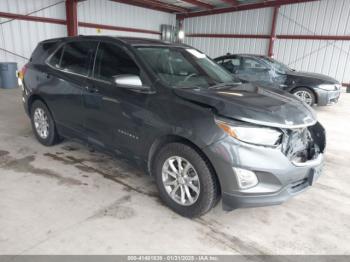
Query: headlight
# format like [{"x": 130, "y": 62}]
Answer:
[
  {"x": 251, "y": 134},
  {"x": 328, "y": 87}
]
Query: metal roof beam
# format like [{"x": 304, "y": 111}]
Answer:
[
  {"x": 154, "y": 4},
  {"x": 243, "y": 7},
  {"x": 230, "y": 2},
  {"x": 199, "y": 4}
]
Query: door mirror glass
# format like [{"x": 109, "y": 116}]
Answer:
[{"x": 129, "y": 81}]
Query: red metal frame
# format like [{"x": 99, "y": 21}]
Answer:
[
  {"x": 230, "y": 36},
  {"x": 33, "y": 18},
  {"x": 82, "y": 24},
  {"x": 155, "y": 5},
  {"x": 72, "y": 17},
  {"x": 291, "y": 37},
  {"x": 273, "y": 31},
  {"x": 118, "y": 28},
  {"x": 243, "y": 7},
  {"x": 315, "y": 37},
  {"x": 199, "y": 4}
]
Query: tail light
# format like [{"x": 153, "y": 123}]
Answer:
[{"x": 22, "y": 72}]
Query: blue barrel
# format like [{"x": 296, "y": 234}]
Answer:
[{"x": 8, "y": 75}]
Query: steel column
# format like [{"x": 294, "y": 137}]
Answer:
[
  {"x": 273, "y": 30},
  {"x": 72, "y": 17}
]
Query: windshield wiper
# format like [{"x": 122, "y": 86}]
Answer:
[{"x": 223, "y": 85}]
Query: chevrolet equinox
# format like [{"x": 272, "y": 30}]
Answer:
[{"x": 199, "y": 132}]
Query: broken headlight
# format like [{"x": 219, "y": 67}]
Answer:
[{"x": 252, "y": 134}]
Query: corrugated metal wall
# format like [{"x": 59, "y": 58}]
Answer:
[
  {"x": 117, "y": 14},
  {"x": 246, "y": 22},
  {"x": 21, "y": 37},
  {"x": 325, "y": 17}
]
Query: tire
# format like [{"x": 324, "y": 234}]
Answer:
[
  {"x": 207, "y": 182},
  {"x": 305, "y": 94},
  {"x": 40, "y": 111}
]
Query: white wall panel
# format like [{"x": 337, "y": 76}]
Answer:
[
  {"x": 215, "y": 47},
  {"x": 256, "y": 21},
  {"x": 324, "y": 17},
  {"x": 92, "y": 31},
  {"x": 117, "y": 14},
  {"x": 246, "y": 22},
  {"x": 21, "y": 37},
  {"x": 57, "y": 9}
]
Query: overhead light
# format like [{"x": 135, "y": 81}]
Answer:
[{"x": 181, "y": 34}]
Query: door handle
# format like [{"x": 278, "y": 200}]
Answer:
[{"x": 91, "y": 89}]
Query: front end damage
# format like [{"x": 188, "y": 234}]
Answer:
[
  {"x": 302, "y": 145},
  {"x": 282, "y": 171}
]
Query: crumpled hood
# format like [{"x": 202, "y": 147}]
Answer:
[
  {"x": 254, "y": 104},
  {"x": 322, "y": 78}
]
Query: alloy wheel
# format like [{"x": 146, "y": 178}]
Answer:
[
  {"x": 180, "y": 180},
  {"x": 41, "y": 123},
  {"x": 305, "y": 96}
]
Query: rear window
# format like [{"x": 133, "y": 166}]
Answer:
[
  {"x": 42, "y": 51},
  {"x": 74, "y": 57}
]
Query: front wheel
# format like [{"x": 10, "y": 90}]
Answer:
[
  {"x": 43, "y": 124},
  {"x": 185, "y": 180},
  {"x": 305, "y": 95}
]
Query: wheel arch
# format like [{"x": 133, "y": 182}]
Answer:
[
  {"x": 34, "y": 98},
  {"x": 164, "y": 140}
]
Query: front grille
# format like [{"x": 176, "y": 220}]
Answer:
[{"x": 304, "y": 144}]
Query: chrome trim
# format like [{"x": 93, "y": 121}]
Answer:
[
  {"x": 313, "y": 162},
  {"x": 269, "y": 124}
]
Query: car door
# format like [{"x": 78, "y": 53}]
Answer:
[
  {"x": 66, "y": 76},
  {"x": 114, "y": 115}
]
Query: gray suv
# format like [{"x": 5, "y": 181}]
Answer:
[{"x": 171, "y": 109}]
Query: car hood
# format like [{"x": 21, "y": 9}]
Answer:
[
  {"x": 320, "y": 77},
  {"x": 253, "y": 104}
]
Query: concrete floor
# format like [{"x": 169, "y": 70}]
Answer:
[{"x": 67, "y": 200}]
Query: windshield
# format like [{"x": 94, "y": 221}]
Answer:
[
  {"x": 277, "y": 65},
  {"x": 184, "y": 68}
]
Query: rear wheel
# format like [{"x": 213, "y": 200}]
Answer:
[
  {"x": 185, "y": 180},
  {"x": 305, "y": 94},
  {"x": 43, "y": 124}
]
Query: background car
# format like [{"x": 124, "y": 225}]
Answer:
[{"x": 262, "y": 70}]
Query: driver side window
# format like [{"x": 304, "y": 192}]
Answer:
[{"x": 111, "y": 61}]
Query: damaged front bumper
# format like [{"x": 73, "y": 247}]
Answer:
[{"x": 281, "y": 172}]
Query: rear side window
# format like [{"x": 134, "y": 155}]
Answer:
[
  {"x": 111, "y": 61},
  {"x": 56, "y": 58},
  {"x": 42, "y": 51},
  {"x": 74, "y": 57}
]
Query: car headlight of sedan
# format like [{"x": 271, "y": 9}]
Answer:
[
  {"x": 250, "y": 133},
  {"x": 328, "y": 87}
]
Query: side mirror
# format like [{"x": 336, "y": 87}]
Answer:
[{"x": 130, "y": 82}]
